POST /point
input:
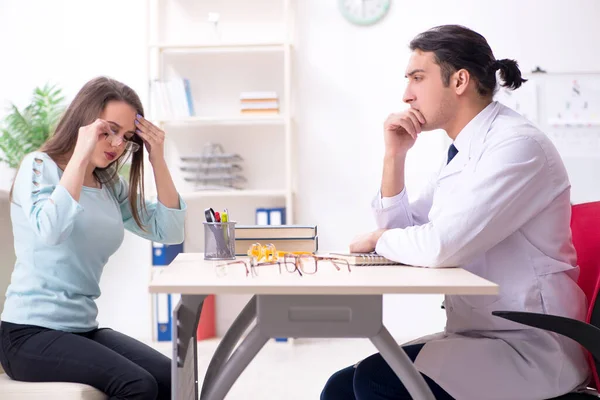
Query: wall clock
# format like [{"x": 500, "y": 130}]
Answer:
[{"x": 364, "y": 12}]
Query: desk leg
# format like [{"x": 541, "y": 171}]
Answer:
[
  {"x": 227, "y": 345},
  {"x": 239, "y": 360},
  {"x": 184, "y": 366},
  {"x": 402, "y": 365},
  {"x": 339, "y": 316}
]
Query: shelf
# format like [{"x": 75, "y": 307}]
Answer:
[
  {"x": 234, "y": 120},
  {"x": 233, "y": 193},
  {"x": 219, "y": 48}
]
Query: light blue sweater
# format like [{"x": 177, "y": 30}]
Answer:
[{"x": 62, "y": 246}]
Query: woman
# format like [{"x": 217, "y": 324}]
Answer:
[{"x": 69, "y": 211}]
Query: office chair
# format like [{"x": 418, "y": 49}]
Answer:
[{"x": 585, "y": 227}]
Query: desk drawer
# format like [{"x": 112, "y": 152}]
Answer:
[{"x": 319, "y": 316}]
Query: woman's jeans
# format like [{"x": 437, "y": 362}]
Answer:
[{"x": 113, "y": 363}]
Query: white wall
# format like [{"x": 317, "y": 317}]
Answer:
[
  {"x": 352, "y": 78},
  {"x": 349, "y": 80}
]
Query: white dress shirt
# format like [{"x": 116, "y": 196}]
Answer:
[{"x": 500, "y": 209}]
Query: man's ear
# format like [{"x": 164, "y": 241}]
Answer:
[{"x": 461, "y": 81}]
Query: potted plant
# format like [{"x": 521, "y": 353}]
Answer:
[{"x": 25, "y": 131}]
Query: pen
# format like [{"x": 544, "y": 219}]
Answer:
[
  {"x": 209, "y": 214},
  {"x": 220, "y": 239},
  {"x": 225, "y": 219}
]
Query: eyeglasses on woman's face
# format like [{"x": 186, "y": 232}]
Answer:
[{"x": 117, "y": 140}]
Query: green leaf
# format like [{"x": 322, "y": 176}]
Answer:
[
  {"x": 24, "y": 131},
  {"x": 125, "y": 170}
]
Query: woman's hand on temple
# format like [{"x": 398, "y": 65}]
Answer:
[{"x": 153, "y": 137}]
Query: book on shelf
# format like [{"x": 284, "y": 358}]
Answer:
[
  {"x": 282, "y": 244},
  {"x": 171, "y": 99},
  {"x": 271, "y": 111},
  {"x": 188, "y": 96},
  {"x": 258, "y": 96},
  {"x": 365, "y": 259},
  {"x": 259, "y": 101},
  {"x": 273, "y": 232},
  {"x": 260, "y": 105}
]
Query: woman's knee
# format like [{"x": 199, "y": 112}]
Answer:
[
  {"x": 142, "y": 386},
  {"x": 163, "y": 379}
]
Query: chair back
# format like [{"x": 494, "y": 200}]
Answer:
[
  {"x": 7, "y": 246},
  {"x": 585, "y": 228}
]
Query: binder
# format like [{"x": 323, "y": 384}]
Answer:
[
  {"x": 206, "y": 326},
  {"x": 163, "y": 255},
  {"x": 270, "y": 216},
  {"x": 262, "y": 216},
  {"x": 164, "y": 317},
  {"x": 277, "y": 216}
]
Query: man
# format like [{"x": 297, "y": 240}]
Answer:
[{"x": 500, "y": 208}]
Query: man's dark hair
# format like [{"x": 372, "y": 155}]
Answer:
[{"x": 456, "y": 47}]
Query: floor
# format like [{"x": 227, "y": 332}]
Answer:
[{"x": 296, "y": 370}]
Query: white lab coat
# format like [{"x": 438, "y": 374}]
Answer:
[{"x": 501, "y": 210}]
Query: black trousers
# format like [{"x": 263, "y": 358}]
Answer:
[{"x": 114, "y": 363}]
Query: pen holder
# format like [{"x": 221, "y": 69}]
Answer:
[{"x": 219, "y": 240}]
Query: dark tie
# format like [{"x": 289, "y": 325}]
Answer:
[{"x": 452, "y": 151}]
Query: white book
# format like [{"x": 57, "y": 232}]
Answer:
[
  {"x": 260, "y": 105},
  {"x": 160, "y": 100},
  {"x": 258, "y": 95},
  {"x": 178, "y": 98}
]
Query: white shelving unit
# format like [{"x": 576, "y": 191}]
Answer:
[
  {"x": 249, "y": 50},
  {"x": 219, "y": 48},
  {"x": 235, "y": 194},
  {"x": 233, "y": 120},
  {"x": 181, "y": 41}
]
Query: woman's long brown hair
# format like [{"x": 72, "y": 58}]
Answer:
[{"x": 85, "y": 108}]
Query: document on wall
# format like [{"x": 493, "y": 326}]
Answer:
[
  {"x": 573, "y": 102},
  {"x": 523, "y": 100},
  {"x": 576, "y": 142}
]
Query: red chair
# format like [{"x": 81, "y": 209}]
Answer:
[{"x": 585, "y": 227}]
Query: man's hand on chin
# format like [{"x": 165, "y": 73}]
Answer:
[{"x": 366, "y": 243}]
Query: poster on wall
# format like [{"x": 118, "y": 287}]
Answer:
[
  {"x": 523, "y": 100},
  {"x": 574, "y": 102}
]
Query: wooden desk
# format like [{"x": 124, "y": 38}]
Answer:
[{"x": 327, "y": 304}]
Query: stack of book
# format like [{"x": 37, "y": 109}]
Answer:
[
  {"x": 283, "y": 237},
  {"x": 261, "y": 103}
]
